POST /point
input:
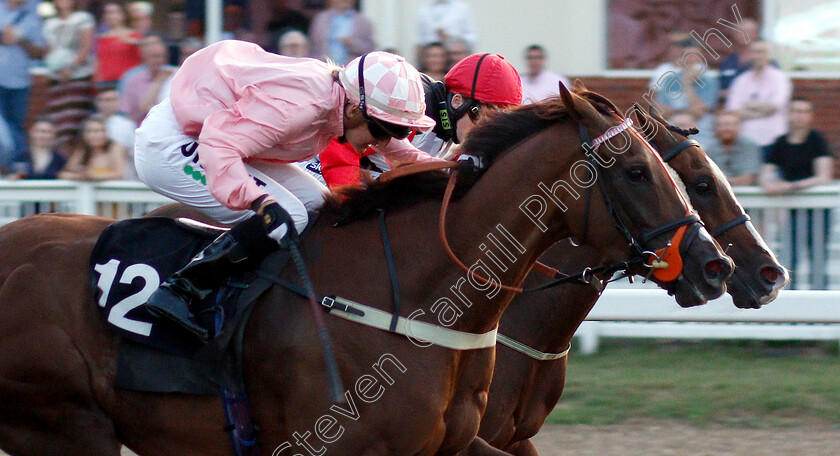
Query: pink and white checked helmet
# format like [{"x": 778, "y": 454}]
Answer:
[{"x": 393, "y": 89}]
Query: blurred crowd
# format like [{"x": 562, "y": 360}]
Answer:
[
  {"x": 104, "y": 64},
  {"x": 107, "y": 65}
]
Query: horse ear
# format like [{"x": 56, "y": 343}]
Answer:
[
  {"x": 579, "y": 87},
  {"x": 656, "y": 116},
  {"x": 640, "y": 115},
  {"x": 569, "y": 102}
]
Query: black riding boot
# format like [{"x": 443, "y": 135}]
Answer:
[{"x": 177, "y": 298}]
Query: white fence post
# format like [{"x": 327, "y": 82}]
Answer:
[{"x": 588, "y": 334}]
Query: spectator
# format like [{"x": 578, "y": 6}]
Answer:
[
  {"x": 433, "y": 61},
  {"x": 120, "y": 128},
  {"x": 539, "y": 83},
  {"x": 42, "y": 160},
  {"x": 68, "y": 62},
  {"x": 685, "y": 84},
  {"x": 293, "y": 43},
  {"x": 284, "y": 19},
  {"x": 21, "y": 44},
  {"x": 96, "y": 157},
  {"x": 8, "y": 153},
  {"x": 117, "y": 49},
  {"x": 457, "y": 49},
  {"x": 677, "y": 42},
  {"x": 738, "y": 61},
  {"x": 737, "y": 157},
  {"x": 444, "y": 20},
  {"x": 140, "y": 17},
  {"x": 187, "y": 47},
  {"x": 148, "y": 86},
  {"x": 341, "y": 32},
  {"x": 761, "y": 96},
  {"x": 795, "y": 161},
  {"x": 235, "y": 26},
  {"x": 176, "y": 32}
]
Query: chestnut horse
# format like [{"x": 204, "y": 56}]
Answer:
[
  {"x": 524, "y": 389},
  {"x": 57, "y": 356}
]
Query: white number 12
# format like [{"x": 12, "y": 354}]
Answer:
[{"x": 107, "y": 274}]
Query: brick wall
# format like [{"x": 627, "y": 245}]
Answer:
[{"x": 824, "y": 93}]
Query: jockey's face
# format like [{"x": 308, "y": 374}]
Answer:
[
  {"x": 356, "y": 131},
  {"x": 468, "y": 120}
]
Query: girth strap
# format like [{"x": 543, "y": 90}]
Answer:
[
  {"x": 417, "y": 331},
  {"x": 531, "y": 352}
]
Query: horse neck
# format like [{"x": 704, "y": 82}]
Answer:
[{"x": 488, "y": 231}]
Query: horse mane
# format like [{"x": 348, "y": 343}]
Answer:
[
  {"x": 602, "y": 103},
  {"x": 682, "y": 131},
  {"x": 494, "y": 134}
]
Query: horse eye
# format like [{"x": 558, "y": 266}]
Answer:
[
  {"x": 703, "y": 188},
  {"x": 636, "y": 174}
]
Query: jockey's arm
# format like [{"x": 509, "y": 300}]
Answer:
[
  {"x": 231, "y": 135},
  {"x": 402, "y": 152}
]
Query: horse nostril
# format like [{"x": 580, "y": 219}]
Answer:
[
  {"x": 772, "y": 275},
  {"x": 717, "y": 271}
]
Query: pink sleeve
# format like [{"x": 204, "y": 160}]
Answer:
[
  {"x": 401, "y": 152},
  {"x": 221, "y": 155},
  {"x": 230, "y": 135}
]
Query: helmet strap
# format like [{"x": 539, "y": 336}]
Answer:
[
  {"x": 460, "y": 111},
  {"x": 470, "y": 103},
  {"x": 475, "y": 76},
  {"x": 362, "y": 102}
]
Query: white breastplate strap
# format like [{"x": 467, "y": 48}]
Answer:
[
  {"x": 528, "y": 351},
  {"x": 421, "y": 332}
]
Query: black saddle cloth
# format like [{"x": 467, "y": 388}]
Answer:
[{"x": 130, "y": 260}]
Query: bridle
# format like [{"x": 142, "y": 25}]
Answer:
[
  {"x": 665, "y": 263},
  {"x": 673, "y": 152}
]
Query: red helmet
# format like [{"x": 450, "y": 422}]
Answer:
[{"x": 488, "y": 78}]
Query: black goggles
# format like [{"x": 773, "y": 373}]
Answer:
[{"x": 384, "y": 130}]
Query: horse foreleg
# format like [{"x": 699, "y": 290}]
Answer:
[{"x": 523, "y": 448}]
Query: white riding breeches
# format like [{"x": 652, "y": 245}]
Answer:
[{"x": 166, "y": 161}]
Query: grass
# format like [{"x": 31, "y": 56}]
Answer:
[{"x": 752, "y": 384}]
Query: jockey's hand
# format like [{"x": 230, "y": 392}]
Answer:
[{"x": 274, "y": 219}]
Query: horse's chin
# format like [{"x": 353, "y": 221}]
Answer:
[
  {"x": 686, "y": 294},
  {"x": 746, "y": 296}
]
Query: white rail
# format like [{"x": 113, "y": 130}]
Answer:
[
  {"x": 116, "y": 199},
  {"x": 794, "y": 315}
]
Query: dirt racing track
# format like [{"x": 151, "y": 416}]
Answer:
[{"x": 666, "y": 438}]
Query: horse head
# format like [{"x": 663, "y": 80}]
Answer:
[
  {"x": 758, "y": 276},
  {"x": 645, "y": 201}
]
